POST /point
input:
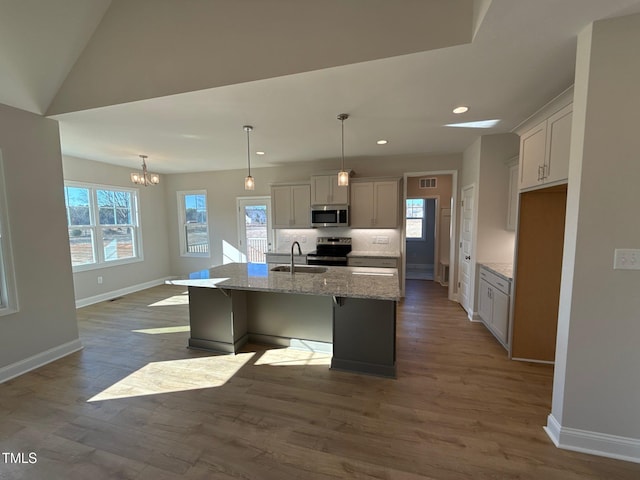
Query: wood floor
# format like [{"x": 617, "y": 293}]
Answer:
[{"x": 135, "y": 403}]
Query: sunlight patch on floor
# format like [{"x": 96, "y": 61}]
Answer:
[
  {"x": 182, "y": 299},
  {"x": 289, "y": 356},
  {"x": 159, "y": 330},
  {"x": 176, "y": 376}
]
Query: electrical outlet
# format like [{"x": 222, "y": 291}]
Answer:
[
  {"x": 626, "y": 259},
  {"x": 99, "y": 280}
]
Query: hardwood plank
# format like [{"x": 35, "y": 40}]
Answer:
[{"x": 459, "y": 408}]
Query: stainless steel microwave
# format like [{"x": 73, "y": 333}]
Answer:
[{"x": 330, "y": 216}]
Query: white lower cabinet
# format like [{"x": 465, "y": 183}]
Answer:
[
  {"x": 371, "y": 261},
  {"x": 493, "y": 303}
]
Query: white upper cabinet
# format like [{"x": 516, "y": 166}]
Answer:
[
  {"x": 512, "y": 206},
  {"x": 375, "y": 204},
  {"x": 291, "y": 206},
  {"x": 326, "y": 191},
  {"x": 544, "y": 150},
  {"x": 558, "y": 145},
  {"x": 532, "y": 152}
]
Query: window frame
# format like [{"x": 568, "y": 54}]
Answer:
[
  {"x": 97, "y": 228},
  {"x": 182, "y": 224},
  {"x": 422, "y": 221},
  {"x": 8, "y": 285}
]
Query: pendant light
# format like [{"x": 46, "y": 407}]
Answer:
[
  {"x": 249, "y": 183},
  {"x": 145, "y": 178},
  {"x": 343, "y": 175}
]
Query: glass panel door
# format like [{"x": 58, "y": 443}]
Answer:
[{"x": 255, "y": 234}]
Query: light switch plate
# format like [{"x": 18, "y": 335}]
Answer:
[{"x": 626, "y": 259}]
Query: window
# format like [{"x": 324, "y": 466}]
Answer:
[
  {"x": 415, "y": 218},
  {"x": 103, "y": 225},
  {"x": 8, "y": 291},
  {"x": 194, "y": 229}
]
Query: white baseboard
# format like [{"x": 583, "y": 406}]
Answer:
[
  {"x": 474, "y": 317},
  {"x": 594, "y": 443},
  {"x": 38, "y": 360},
  {"x": 533, "y": 360},
  {"x": 83, "y": 302}
]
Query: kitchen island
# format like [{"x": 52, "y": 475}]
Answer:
[{"x": 349, "y": 311}]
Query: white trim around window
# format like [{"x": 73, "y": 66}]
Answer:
[
  {"x": 8, "y": 288},
  {"x": 193, "y": 223},
  {"x": 415, "y": 212},
  {"x": 104, "y": 225}
]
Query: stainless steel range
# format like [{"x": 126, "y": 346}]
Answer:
[{"x": 331, "y": 251}]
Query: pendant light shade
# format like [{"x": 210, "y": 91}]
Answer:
[
  {"x": 249, "y": 183},
  {"x": 343, "y": 175}
]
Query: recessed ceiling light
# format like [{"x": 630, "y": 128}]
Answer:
[
  {"x": 259, "y": 153},
  {"x": 382, "y": 142},
  {"x": 461, "y": 109}
]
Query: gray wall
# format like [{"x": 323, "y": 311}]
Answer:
[
  {"x": 597, "y": 380},
  {"x": 153, "y": 221},
  {"x": 485, "y": 166},
  {"x": 416, "y": 250},
  {"x": 495, "y": 243},
  {"x": 33, "y": 175},
  {"x": 224, "y": 187},
  {"x": 421, "y": 252}
]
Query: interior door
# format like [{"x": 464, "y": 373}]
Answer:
[
  {"x": 254, "y": 228},
  {"x": 466, "y": 245}
]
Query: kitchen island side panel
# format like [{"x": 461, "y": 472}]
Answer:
[
  {"x": 364, "y": 336},
  {"x": 217, "y": 319},
  {"x": 286, "y": 315}
]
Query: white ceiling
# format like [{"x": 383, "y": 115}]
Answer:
[{"x": 521, "y": 57}]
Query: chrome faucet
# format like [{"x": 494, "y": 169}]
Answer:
[{"x": 299, "y": 253}]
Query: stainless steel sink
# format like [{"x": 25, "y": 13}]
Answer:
[{"x": 299, "y": 269}]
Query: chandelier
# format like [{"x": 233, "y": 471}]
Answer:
[{"x": 145, "y": 178}]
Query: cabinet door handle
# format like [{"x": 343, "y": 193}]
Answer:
[
  {"x": 545, "y": 171},
  {"x": 540, "y": 167}
]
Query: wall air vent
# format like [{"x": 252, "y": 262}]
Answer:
[{"x": 428, "y": 182}]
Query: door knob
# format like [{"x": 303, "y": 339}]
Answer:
[{"x": 467, "y": 257}]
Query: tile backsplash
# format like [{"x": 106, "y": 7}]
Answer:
[{"x": 363, "y": 239}]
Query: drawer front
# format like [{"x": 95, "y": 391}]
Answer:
[
  {"x": 373, "y": 262},
  {"x": 497, "y": 281}
]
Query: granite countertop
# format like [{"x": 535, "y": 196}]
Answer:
[
  {"x": 363, "y": 253},
  {"x": 354, "y": 282},
  {"x": 504, "y": 270}
]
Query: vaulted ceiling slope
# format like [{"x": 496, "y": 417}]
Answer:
[
  {"x": 177, "y": 79},
  {"x": 149, "y": 48},
  {"x": 40, "y": 42}
]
